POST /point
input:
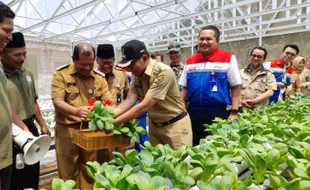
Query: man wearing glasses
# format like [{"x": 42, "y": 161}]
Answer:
[
  {"x": 258, "y": 83},
  {"x": 154, "y": 84},
  {"x": 282, "y": 70},
  {"x": 116, "y": 77}
]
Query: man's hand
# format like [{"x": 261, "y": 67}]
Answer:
[
  {"x": 81, "y": 112},
  {"x": 233, "y": 116},
  {"x": 26, "y": 129},
  {"x": 45, "y": 130},
  {"x": 251, "y": 102},
  {"x": 116, "y": 122},
  {"x": 281, "y": 84},
  {"x": 246, "y": 104}
]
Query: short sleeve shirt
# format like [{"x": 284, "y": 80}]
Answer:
[
  {"x": 5, "y": 124},
  {"x": 76, "y": 91},
  {"x": 118, "y": 84},
  {"x": 22, "y": 92},
  {"x": 255, "y": 84},
  {"x": 159, "y": 82}
]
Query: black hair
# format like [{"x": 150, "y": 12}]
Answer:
[
  {"x": 161, "y": 56},
  {"x": 260, "y": 48},
  {"x": 214, "y": 28},
  {"x": 152, "y": 55},
  {"x": 80, "y": 49},
  {"x": 293, "y": 46},
  {"x": 5, "y": 12}
]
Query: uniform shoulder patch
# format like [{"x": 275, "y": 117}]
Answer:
[
  {"x": 157, "y": 69},
  {"x": 99, "y": 72},
  {"x": 119, "y": 69},
  {"x": 62, "y": 67},
  {"x": 162, "y": 73}
]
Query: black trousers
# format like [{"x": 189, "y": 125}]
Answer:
[
  {"x": 29, "y": 176},
  {"x": 5, "y": 177},
  {"x": 199, "y": 118}
]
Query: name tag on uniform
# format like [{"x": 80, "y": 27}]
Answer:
[{"x": 213, "y": 86}]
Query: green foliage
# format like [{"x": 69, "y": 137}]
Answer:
[
  {"x": 267, "y": 140},
  {"x": 59, "y": 184},
  {"x": 102, "y": 119}
]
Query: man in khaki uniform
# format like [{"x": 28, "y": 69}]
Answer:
[
  {"x": 23, "y": 97},
  {"x": 258, "y": 83},
  {"x": 116, "y": 77},
  {"x": 72, "y": 86},
  {"x": 118, "y": 86},
  {"x": 6, "y": 28},
  {"x": 154, "y": 84}
]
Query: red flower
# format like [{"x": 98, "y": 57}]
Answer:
[
  {"x": 108, "y": 103},
  {"x": 91, "y": 103}
]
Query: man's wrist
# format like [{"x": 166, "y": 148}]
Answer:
[
  {"x": 234, "y": 111},
  {"x": 43, "y": 126}
]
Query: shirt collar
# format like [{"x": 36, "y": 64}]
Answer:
[
  {"x": 279, "y": 61},
  {"x": 113, "y": 71},
  {"x": 248, "y": 69},
  {"x": 211, "y": 57},
  {"x": 149, "y": 68},
  {"x": 10, "y": 73}
]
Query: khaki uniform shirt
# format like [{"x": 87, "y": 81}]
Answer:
[
  {"x": 5, "y": 123},
  {"x": 76, "y": 91},
  {"x": 118, "y": 85},
  {"x": 255, "y": 84},
  {"x": 21, "y": 92},
  {"x": 158, "y": 81},
  {"x": 305, "y": 80}
]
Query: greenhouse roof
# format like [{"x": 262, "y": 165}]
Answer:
[{"x": 156, "y": 22}]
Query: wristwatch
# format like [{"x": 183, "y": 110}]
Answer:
[{"x": 234, "y": 111}]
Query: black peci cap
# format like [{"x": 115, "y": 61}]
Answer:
[
  {"x": 18, "y": 41},
  {"x": 105, "y": 51}
]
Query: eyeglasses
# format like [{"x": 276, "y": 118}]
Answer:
[
  {"x": 173, "y": 52},
  {"x": 291, "y": 54},
  {"x": 101, "y": 62},
  {"x": 257, "y": 56}
]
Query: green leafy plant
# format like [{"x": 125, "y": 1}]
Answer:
[
  {"x": 272, "y": 141},
  {"x": 102, "y": 119},
  {"x": 179, "y": 174},
  {"x": 108, "y": 176},
  {"x": 59, "y": 184},
  {"x": 145, "y": 181}
]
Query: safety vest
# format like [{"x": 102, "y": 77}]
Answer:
[{"x": 207, "y": 82}]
